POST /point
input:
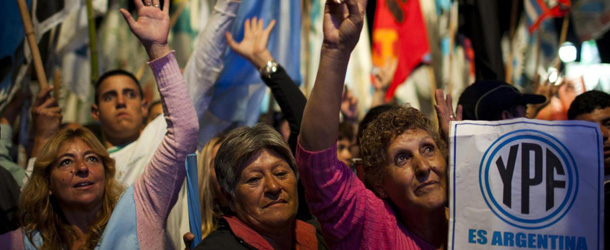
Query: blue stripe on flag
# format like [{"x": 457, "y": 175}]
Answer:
[
  {"x": 239, "y": 90},
  {"x": 192, "y": 194},
  {"x": 284, "y": 41}
]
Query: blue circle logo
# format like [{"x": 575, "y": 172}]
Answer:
[{"x": 528, "y": 179}]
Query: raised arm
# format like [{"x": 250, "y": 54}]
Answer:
[
  {"x": 7, "y": 119},
  {"x": 444, "y": 112},
  {"x": 206, "y": 62},
  {"x": 341, "y": 26},
  {"x": 289, "y": 97},
  {"x": 156, "y": 190}
]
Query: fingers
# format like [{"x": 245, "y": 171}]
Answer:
[
  {"x": 438, "y": 96},
  {"x": 449, "y": 102},
  {"x": 460, "y": 111},
  {"x": 48, "y": 103},
  {"x": 128, "y": 17},
  {"x": 155, "y": 3},
  {"x": 335, "y": 7},
  {"x": 247, "y": 26},
  {"x": 42, "y": 96},
  {"x": 230, "y": 41},
  {"x": 188, "y": 239},
  {"x": 138, "y": 4},
  {"x": 270, "y": 27},
  {"x": 356, "y": 12},
  {"x": 166, "y": 6},
  {"x": 259, "y": 25}
]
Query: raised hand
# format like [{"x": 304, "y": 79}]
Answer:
[
  {"x": 341, "y": 26},
  {"x": 46, "y": 117},
  {"x": 349, "y": 106},
  {"x": 254, "y": 45},
  {"x": 342, "y": 23},
  {"x": 152, "y": 26},
  {"x": 548, "y": 90},
  {"x": 383, "y": 76},
  {"x": 444, "y": 112}
]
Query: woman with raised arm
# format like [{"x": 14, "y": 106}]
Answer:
[
  {"x": 72, "y": 200},
  {"x": 403, "y": 157}
]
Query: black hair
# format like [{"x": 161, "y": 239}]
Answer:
[
  {"x": 152, "y": 105},
  {"x": 346, "y": 131},
  {"x": 114, "y": 73},
  {"x": 588, "y": 102},
  {"x": 370, "y": 116}
]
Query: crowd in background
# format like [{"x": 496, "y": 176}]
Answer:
[{"x": 320, "y": 175}]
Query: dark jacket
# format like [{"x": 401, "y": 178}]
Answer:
[{"x": 224, "y": 238}]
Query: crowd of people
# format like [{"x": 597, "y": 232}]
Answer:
[{"x": 317, "y": 179}]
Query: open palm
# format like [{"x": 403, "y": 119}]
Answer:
[
  {"x": 255, "y": 38},
  {"x": 152, "y": 26}
]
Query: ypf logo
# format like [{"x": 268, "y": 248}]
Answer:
[{"x": 528, "y": 179}]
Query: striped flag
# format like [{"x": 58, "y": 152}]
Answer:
[
  {"x": 537, "y": 11},
  {"x": 239, "y": 90},
  {"x": 591, "y": 18},
  {"x": 15, "y": 54}
]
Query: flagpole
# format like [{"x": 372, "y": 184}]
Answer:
[
  {"x": 174, "y": 18},
  {"x": 432, "y": 85},
  {"x": 92, "y": 43},
  {"x": 31, "y": 37},
  {"x": 56, "y": 83},
  {"x": 562, "y": 37},
  {"x": 537, "y": 58},
  {"x": 513, "y": 23},
  {"x": 306, "y": 19},
  {"x": 452, "y": 30}
]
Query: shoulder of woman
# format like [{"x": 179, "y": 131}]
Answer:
[
  {"x": 222, "y": 238},
  {"x": 13, "y": 239}
]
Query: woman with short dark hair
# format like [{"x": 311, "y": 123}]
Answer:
[{"x": 257, "y": 174}]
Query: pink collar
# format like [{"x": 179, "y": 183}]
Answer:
[{"x": 304, "y": 234}]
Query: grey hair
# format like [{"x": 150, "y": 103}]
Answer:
[{"x": 240, "y": 145}]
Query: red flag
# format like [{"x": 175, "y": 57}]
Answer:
[
  {"x": 399, "y": 32},
  {"x": 537, "y": 11}
]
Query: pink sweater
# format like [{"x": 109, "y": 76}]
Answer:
[
  {"x": 156, "y": 190},
  {"x": 352, "y": 217}
]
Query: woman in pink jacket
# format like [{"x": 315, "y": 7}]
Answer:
[{"x": 403, "y": 156}]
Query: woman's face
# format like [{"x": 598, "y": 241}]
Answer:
[
  {"x": 77, "y": 176},
  {"x": 266, "y": 193},
  {"x": 416, "y": 177}
]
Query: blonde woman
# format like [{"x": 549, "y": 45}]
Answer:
[
  {"x": 71, "y": 199},
  {"x": 209, "y": 191}
]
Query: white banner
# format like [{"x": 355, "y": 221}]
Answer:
[{"x": 526, "y": 184}]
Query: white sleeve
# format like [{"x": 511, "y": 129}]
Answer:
[
  {"x": 28, "y": 171},
  {"x": 206, "y": 62}
]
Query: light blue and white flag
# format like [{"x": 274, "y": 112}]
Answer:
[{"x": 239, "y": 89}]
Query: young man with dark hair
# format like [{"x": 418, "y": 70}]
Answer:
[
  {"x": 120, "y": 107},
  {"x": 594, "y": 106}
]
